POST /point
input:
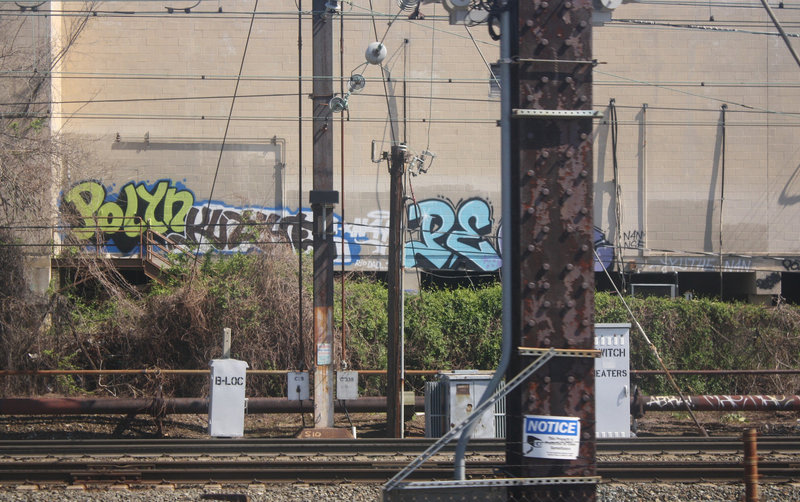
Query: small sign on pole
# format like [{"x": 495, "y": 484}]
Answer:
[
  {"x": 347, "y": 385},
  {"x": 226, "y": 343},
  {"x": 551, "y": 437},
  {"x": 323, "y": 354},
  {"x": 297, "y": 385}
]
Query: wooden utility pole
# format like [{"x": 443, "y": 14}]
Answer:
[
  {"x": 552, "y": 254},
  {"x": 322, "y": 199},
  {"x": 394, "y": 380}
]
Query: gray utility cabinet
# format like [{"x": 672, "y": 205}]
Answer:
[{"x": 450, "y": 398}]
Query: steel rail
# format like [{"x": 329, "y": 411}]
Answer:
[
  {"x": 184, "y": 472},
  {"x": 371, "y": 446}
]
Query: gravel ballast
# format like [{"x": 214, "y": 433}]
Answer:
[{"x": 679, "y": 492}]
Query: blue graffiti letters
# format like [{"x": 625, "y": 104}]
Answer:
[{"x": 450, "y": 238}]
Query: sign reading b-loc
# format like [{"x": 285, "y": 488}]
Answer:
[
  {"x": 225, "y": 380},
  {"x": 226, "y": 404},
  {"x": 551, "y": 437}
]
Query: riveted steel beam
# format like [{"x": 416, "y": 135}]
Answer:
[{"x": 552, "y": 236}]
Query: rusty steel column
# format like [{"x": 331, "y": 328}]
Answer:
[{"x": 551, "y": 87}]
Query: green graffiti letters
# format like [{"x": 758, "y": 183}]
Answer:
[
  {"x": 132, "y": 225},
  {"x": 86, "y": 197},
  {"x": 186, "y": 201},
  {"x": 152, "y": 200},
  {"x": 162, "y": 207}
]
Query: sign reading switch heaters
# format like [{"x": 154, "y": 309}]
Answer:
[{"x": 551, "y": 437}]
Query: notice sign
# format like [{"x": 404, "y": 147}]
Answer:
[
  {"x": 551, "y": 437},
  {"x": 323, "y": 354}
]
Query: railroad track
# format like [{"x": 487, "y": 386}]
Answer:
[
  {"x": 193, "y": 472},
  {"x": 147, "y": 462},
  {"x": 414, "y": 446}
]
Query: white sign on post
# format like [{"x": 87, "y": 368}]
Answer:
[
  {"x": 297, "y": 385},
  {"x": 347, "y": 385},
  {"x": 551, "y": 437},
  {"x": 612, "y": 381},
  {"x": 323, "y": 354}
]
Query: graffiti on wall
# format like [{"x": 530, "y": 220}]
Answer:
[
  {"x": 442, "y": 235},
  {"x": 604, "y": 250},
  {"x": 448, "y": 236},
  {"x": 790, "y": 264},
  {"x": 171, "y": 209},
  {"x": 668, "y": 264},
  {"x": 633, "y": 239}
]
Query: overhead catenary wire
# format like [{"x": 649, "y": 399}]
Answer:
[
  {"x": 430, "y": 88},
  {"x": 227, "y": 127}
]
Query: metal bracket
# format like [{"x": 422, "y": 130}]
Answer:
[
  {"x": 555, "y": 114},
  {"x": 542, "y": 358},
  {"x": 532, "y": 351}
]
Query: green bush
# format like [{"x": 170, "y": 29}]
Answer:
[{"x": 179, "y": 325}]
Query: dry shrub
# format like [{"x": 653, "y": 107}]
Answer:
[
  {"x": 180, "y": 326},
  {"x": 708, "y": 334}
]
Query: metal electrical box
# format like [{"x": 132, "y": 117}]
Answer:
[
  {"x": 226, "y": 404},
  {"x": 612, "y": 381},
  {"x": 347, "y": 385},
  {"x": 297, "y": 386},
  {"x": 450, "y": 400},
  {"x": 645, "y": 290}
]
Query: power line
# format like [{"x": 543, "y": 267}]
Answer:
[
  {"x": 699, "y": 27},
  {"x": 380, "y": 120},
  {"x": 241, "y": 96},
  {"x": 679, "y": 91},
  {"x": 230, "y": 115},
  {"x": 213, "y": 77}
]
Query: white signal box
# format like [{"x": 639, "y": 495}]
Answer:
[
  {"x": 226, "y": 403},
  {"x": 347, "y": 385},
  {"x": 612, "y": 381},
  {"x": 297, "y": 385}
]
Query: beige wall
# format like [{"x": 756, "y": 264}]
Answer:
[
  {"x": 684, "y": 76},
  {"x": 193, "y": 55},
  {"x": 670, "y": 185}
]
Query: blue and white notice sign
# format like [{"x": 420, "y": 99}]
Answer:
[{"x": 551, "y": 437}]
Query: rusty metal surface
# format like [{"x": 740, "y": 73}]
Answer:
[
  {"x": 751, "y": 465},
  {"x": 721, "y": 403},
  {"x": 325, "y": 433},
  {"x": 554, "y": 247}
]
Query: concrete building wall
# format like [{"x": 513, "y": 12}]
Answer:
[
  {"x": 671, "y": 160},
  {"x": 150, "y": 93},
  {"x": 153, "y": 93}
]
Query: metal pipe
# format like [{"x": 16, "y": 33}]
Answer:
[
  {"x": 758, "y": 402},
  {"x": 506, "y": 184},
  {"x": 155, "y": 371},
  {"x": 716, "y": 372},
  {"x": 181, "y": 405},
  {"x": 780, "y": 29}
]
